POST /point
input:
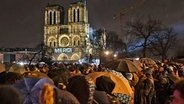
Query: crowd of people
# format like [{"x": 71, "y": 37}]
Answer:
[{"x": 159, "y": 83}]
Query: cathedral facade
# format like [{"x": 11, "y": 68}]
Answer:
[{"x": 70, "y": 40}]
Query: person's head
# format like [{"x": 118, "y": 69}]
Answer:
[
  {"x": 178, "y": 92},
  {"x": 74, "y": 70},
  {"x": 9, "y": 95},
  {"x": 104, "y": 83},
  {"x": 82, "y": 88},
  {"x": 129, "y": 76},
  {"x": 148, "y": 72},
  {"x": 161, "y": 69}
]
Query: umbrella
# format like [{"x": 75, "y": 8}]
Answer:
[
  {"x": 112, "y": 64},
  {"x": 35, "y": 74},
  {"x": 148, "y": 61},
  {"x": 181, "y": 60},
  {"x": 9, "y": 77},
  {"x": 173, "y": 77},
  {"x": 17, "y": 68},
  {"x": 137, "y": 62},
  {"x": 30, "y": 89},
  {"x": 128, "y": 66},
  {"x": 121, "y": 84},
  {"x": 2, "y": 67}
]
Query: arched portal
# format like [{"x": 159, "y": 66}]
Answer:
[
  {"x": 62, "y": 56},
  {"x": 75, "y": 57}
]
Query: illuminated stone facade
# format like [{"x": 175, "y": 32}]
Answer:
[{"x": 68, "y": 41}]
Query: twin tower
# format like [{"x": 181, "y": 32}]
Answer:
[{"x": 67, "y": 40}]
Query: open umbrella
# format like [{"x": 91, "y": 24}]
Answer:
[
  {"x": 17, "y": 68},
  {"x": 126, "y": 65},
  {"x": 121, "y": 84},
  {"x": 137, "y": 62},
  {"x": 30, "y": 89},
  {"x": 112, "y": 64},
  {"x": 148, "y": 61},
  {"x": 181, "y": 60},
  {"x": 2, "y": 67},
  {"x": 35, "y": 74},
  {"x": 9, "y": 77}
]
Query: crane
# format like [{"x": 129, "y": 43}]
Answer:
[{"x": 126, "y": 10}]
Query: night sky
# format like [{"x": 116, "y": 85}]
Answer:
[{"x": 21, "y": 21}]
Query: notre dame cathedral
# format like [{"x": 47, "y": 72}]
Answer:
[{"x": 70, "y": 40}]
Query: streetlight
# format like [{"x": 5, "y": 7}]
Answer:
[
  {"x": 107, "y": 52},
  {"x": 115, "y": 55}
]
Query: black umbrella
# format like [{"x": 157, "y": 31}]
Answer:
[{"x": 9, "y": 77}]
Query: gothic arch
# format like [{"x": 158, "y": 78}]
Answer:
[
  {"x": 50, "y": 18},
  {"x": 52, "y": 41},
  {"x": 76, "y": 40},
  {"x": 75, "y": 57},
  {"x": 74, "y": 15},
  {"x": 78, "y": 15},
  {"x": 54, "y": 16},
  {"x": 64, "y": 41},
  {"x": 62, "y": 56}
]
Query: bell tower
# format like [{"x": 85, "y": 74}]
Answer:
[
  {"x": 67, "y": 40},
  {"x": 54, "y": 18},
  {"x": 78, "y": 22}
]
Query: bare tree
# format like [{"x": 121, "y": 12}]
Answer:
[
  {"x": 128, "y": 39},
  {"x": 114, "y": 43},
  {"x": 144, "y": 29},
  {"x": 162, "y": 41}
]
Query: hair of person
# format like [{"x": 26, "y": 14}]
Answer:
[
  {"x": 104, "y": 83},
  {"x": 9, "y": 95},
  {"x": 47, "y": 95},
  {"x": 82, "y": 88}
]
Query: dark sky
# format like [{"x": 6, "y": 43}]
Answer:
[{"x": 21, "y": 21}]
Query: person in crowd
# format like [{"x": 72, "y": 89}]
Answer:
[
  {"x": 178, "y": 92},
  {"x": 145, "y": 89},
  {"x": 51, "y": 95},
  {"x": 162, "y": 90},
  {"x": 181, "y": 70},
  {"x": 103, "y": 93},
  {"x": 74, "y": 70},
  {"x": 9, "y": 95},
  {"x": 149, "y": 87},
  {"x": 135, "y": 78},
  {"x": 82, "y": 88},
  {"x": 101, "y": 68},
  {"x": 163, "y": 83},
  {"x": 139, "y": 97},
  {"x": 129, "y": 77}
]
